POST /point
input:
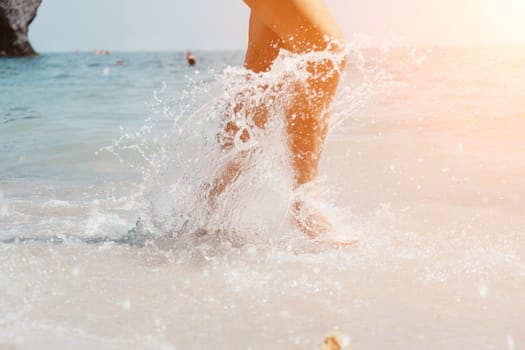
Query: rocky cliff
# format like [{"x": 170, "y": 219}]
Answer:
[{"x": 15, "y": 18}]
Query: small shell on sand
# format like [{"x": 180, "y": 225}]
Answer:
[{"x": 336, "y": 341}]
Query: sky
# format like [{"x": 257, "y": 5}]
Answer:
[{"x": 133, "y": 25}]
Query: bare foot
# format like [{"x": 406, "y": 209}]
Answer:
[
  {"x": 310, "y": 221},
  {"x": 316, "y": 226}
]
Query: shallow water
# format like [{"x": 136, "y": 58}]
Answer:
[{"x": 423, "y": 164}]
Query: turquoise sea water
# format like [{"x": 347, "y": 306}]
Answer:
[
  {"x": 424, "y": 165},
  {"x": 57, "y": 110}
]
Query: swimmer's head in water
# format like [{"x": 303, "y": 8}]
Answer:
[{"x": 190, "y": 58}]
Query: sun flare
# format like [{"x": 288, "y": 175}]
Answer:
[
  {"x": 518, "y": 7},
  {"x": 504, "y": 19}
]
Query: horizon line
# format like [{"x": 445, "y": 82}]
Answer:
[{"x": 426, "y": 46}]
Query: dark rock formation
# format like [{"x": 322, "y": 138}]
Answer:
[{"x": 15, "y": 18}]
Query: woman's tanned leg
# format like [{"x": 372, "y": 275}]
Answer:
[
  {"x": 299, "y": 26},
  {"x": 263, "y": 48},
  {"x": 304, "y": 26}
]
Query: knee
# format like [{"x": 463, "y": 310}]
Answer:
[{"x": 228, "y": 133}]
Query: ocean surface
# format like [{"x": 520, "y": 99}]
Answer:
[{"x": 107, "y": 241}]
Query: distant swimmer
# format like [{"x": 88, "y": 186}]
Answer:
[
  {"x": 119, "y": 63},
  {"x": 190, "y": 58},
  {"x": 102, "y": 52}
]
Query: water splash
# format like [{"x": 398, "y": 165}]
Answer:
[{"x": 187, "y": 146}]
